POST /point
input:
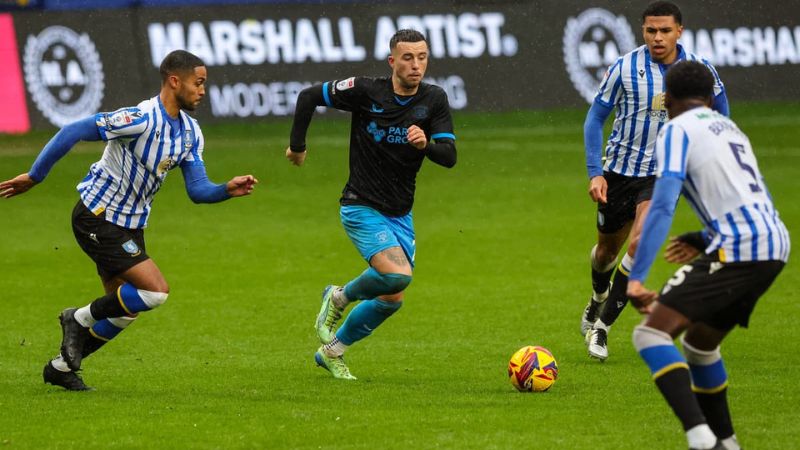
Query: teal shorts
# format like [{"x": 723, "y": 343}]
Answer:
[{"x": 373, "y": 232}]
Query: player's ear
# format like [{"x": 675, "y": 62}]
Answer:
[{"x": 391, "y": 61}]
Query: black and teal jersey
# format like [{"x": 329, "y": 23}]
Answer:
[{"x": 383, "y": 165}]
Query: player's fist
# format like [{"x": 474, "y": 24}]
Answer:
[
  {"x": 416, "y": 137},
  {"x": 241, "y": 185},
  {"x": 296, "y": 158},
  {"x": 598, "y": 187},
  {"x": 17, "y": 185}
]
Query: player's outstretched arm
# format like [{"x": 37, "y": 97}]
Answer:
[
  {"x": 202, "y": 190},
  {"x": 307, "y": 101},
  {"x": 59, "y": 145}
]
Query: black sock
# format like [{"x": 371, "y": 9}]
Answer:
[
  {"x": 601, "y": 280},
  {"x": 91, "y": 345},
  {"x": 617, "y": 299},
  {"x": 715, "y": 408},
  {"x": 675, "y": 386},
  {"x": 107, "y": 306}
]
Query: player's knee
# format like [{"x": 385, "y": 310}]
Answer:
[
  {"x": 398, "y": 297},
  {"x": 646, "y": 337},
  {"x": 695, "y": 356},
  {"x": 153, "y": 299},
  {"x": 395, "y": 282}
]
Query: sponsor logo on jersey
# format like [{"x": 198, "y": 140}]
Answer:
[
  {"x": 592, "y": 42},
  {"x": 657, "y": 109},
  {"x": 131, "y": 248},
  {"x": 64, "y": 74},
  {"x": 346, "y": 84},
  {"x": 377, "y": 133},
  {"x": 382, "y": 236},
  {"x": 376, "y": 109}
]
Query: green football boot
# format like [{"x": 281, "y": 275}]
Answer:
[
  {"x": 333, "y": 364},
  {"x": 329, "y": 314}
]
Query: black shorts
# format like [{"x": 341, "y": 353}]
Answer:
[
  {"x": 623, "y": 195},
  {"x": 720, "y": 295},
  {"x": 114, "y": 249}
]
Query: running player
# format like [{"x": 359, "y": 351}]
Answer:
[
  {"x": 742, "y": 249},
  {"x": 143, "y": 143},
  {"x": 393, "y": 122},
  {"x": 634, "y": 88}
]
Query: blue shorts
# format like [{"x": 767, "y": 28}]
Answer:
[{"x": 372, "y": 232}]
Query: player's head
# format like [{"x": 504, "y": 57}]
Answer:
[
  {"x": 408, "y": 59},
  {"x": 184, "y": 74},
  {"x": 661, "y": 28},
  {"x": 689, "y": 84}
]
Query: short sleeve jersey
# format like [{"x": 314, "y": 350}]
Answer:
[
  {"x": 143, "y": 144},
  {"x": 634, "y": 85},
  {"x": 383, "y": 165},
  {"x": 723, "y": 184}
]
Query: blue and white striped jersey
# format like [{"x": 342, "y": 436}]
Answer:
[
  {"x": 634, "y": 85},
  {"x": 143, "y": 144},
  {"x": 722, "y": 183}
]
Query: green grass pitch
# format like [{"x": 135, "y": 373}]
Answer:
[{"x": 502, "y": 261}]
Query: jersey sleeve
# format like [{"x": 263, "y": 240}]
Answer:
[
  {"x": 610, "y": 89},
  {"x": 345, "y": 94},
  {"x": 672, "y": 148},
  {"x": 124, "y": 122},
  {"x": 718, "y": 86},
  {"x": 441, "y": 121},
  {"x": 195, "y": 156}
]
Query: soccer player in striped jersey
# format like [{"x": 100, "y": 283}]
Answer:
[
  {"x": 742, "y": 248},
  {"x": 633, "y": 87},
  {"x": 394, "y": 120},
  {"x": 143, "y": 144}
]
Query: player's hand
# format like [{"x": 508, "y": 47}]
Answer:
[
  {"x": 297, "y": 158},
  {"x": 15, "y": 186},
  {"x": 680, "y": 252},
  {"x": 598, "y": 187},
  {"x": 416, "y": 137},
  {"x": 241, "y": 185},
  {"x": 641, "y": 297}
]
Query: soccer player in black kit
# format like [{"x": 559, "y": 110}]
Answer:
[{"x": 397, "y": 122}]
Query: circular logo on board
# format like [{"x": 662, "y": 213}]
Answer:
[
  {"x": 592, "y": 42},
  {"x": 64, "y": 74}
]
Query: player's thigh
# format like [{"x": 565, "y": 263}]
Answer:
[
  {"x": 704, "y": 337},
  {"x": 620, "y": 208},
  {"x": 387, "y": 244},
  {"x": 638, "y": 224},
  {"x": 146, "y": 276},
  {"x": 667, "y": 319},
  {"x": 113, "y": 249}
]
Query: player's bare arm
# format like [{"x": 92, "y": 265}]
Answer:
[
  {"x": 680, "y": 252},
  {"x": 17, "y": 185}
]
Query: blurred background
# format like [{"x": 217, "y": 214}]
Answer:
[{"x": 65, "y": 59}]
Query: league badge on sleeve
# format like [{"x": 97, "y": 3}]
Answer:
[{"x": 346, "y": 84}]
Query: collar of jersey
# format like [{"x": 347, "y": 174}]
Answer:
[
  {"x": 401, "y": 102},
  {"x": 174, "y": 124}
]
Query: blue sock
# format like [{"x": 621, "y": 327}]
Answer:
[
  {"x": 371, "y": 284},
  {"x": 364, "y": 318}
]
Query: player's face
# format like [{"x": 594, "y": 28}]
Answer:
[
  {"x": 661, "y": 34},
  {"x": 409, "y": 60},
  {"x": 192, "y": 89}
]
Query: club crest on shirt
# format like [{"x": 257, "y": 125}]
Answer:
[
  {"x": 165, "y": 166},
  {"x": 382, "y": 236},
  {"x": 187, "y": 140},
  {"x": 420, "y": 112},
  {"x": 131, "y": 248}
]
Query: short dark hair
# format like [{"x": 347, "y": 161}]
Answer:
[
  {"x": 406, "y": 35},
  {"x": 689, "y": 79},
  {"x": 662, "y": 8},
  {"x": 179, "y": 61}
]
